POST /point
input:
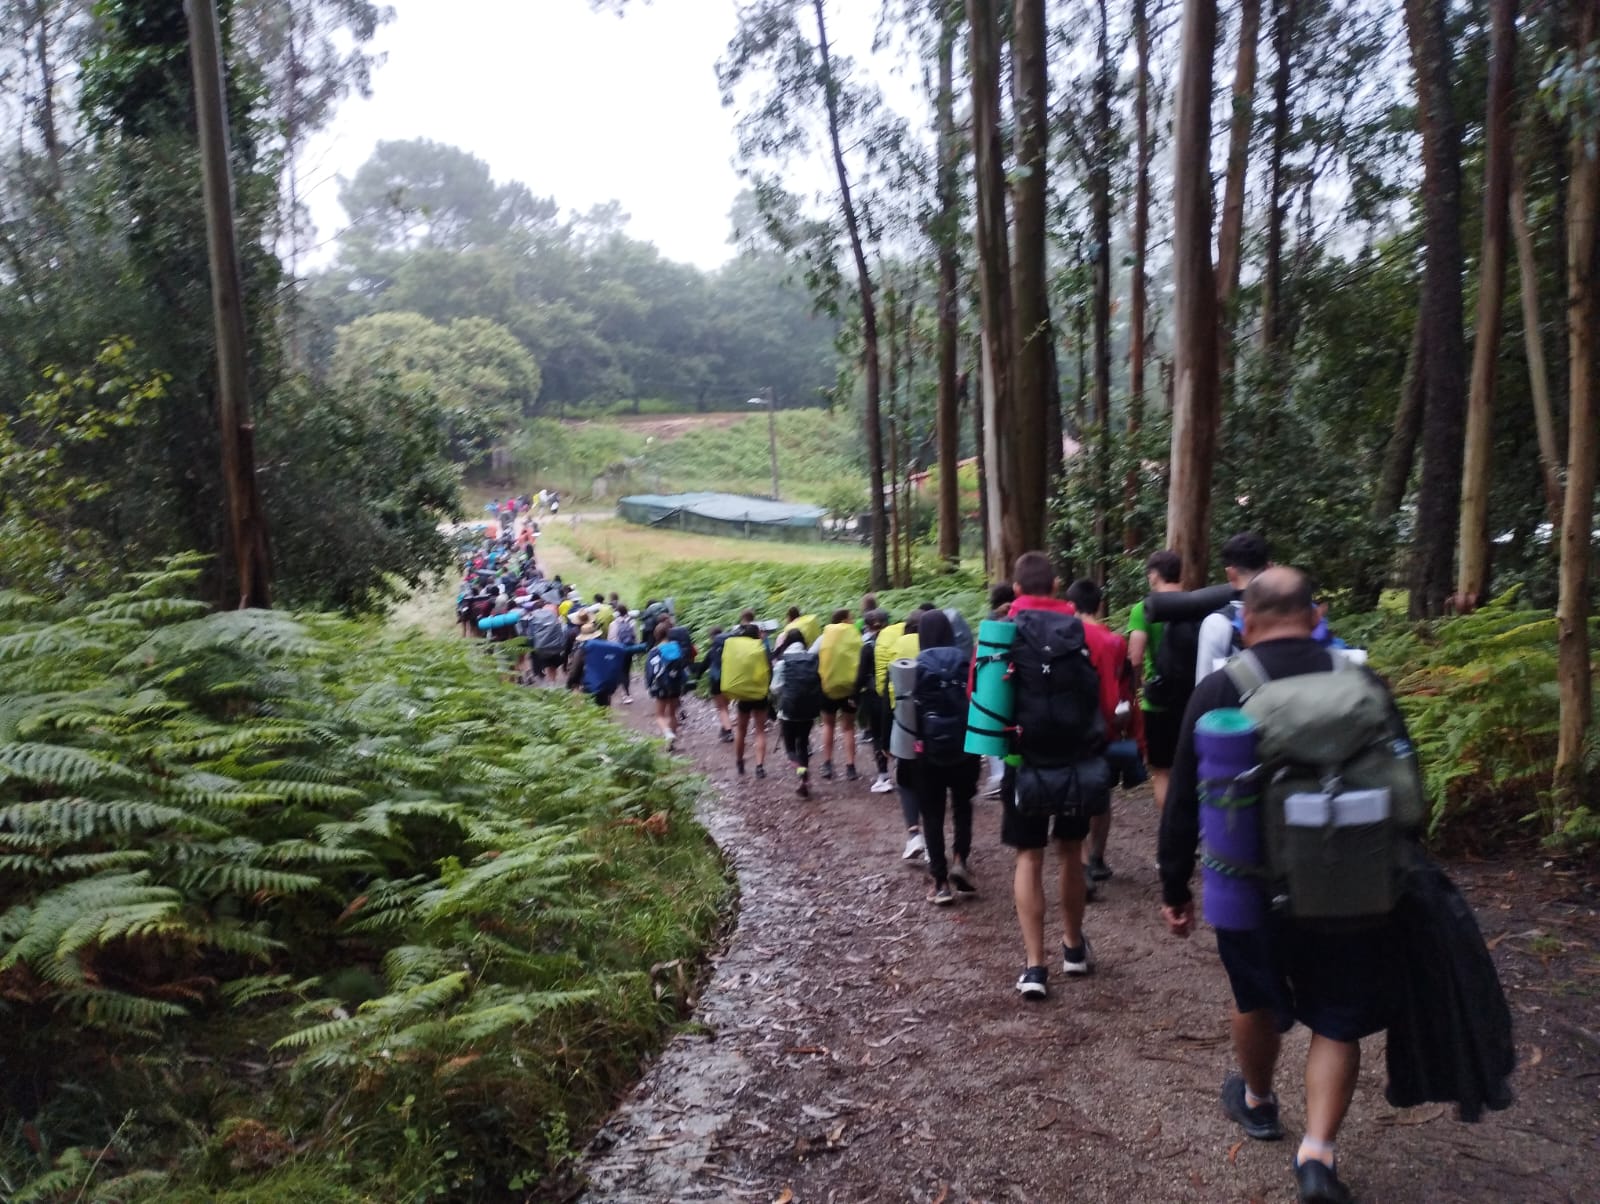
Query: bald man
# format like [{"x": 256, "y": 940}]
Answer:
[{"x": 1335, "y": 983}]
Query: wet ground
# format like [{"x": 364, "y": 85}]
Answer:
[{"x": 855, "y": 1043}]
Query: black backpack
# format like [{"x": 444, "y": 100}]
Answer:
[
  {"x": 1057, "y": 718},
  {"x": 941, "y": 702},
  {"x": 627, "y": 633},
  {"x": 1172, "y": 681},
  {"x": 545, "y": 632},
  {"x": 801, "y": 697}
]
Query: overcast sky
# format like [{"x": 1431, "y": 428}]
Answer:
[{"x": 582, "y": 106}]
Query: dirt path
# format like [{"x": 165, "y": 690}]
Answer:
[{"x": 853, "y": 1043}]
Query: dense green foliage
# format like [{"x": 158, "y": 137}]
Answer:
[
  {"x": 401, "y": 916},
  {"x": 707, "y": 595},
  {"x": 605, "y": 316}
]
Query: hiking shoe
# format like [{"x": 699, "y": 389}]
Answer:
[
  {"x": 916, "y": 848},
  {"x": 727, "y": 735},
  {"x": 1079, "y": 960},
  {"x": 1319, "y": 1182},
  {"x": 803, "y": 790},
  {"x": 761, "y": 771},
  {"x": 961, "y": 878},
  {"x": 941, "y": 895},
  {"x": 850, "y": 774},
  {"x": 827, "y": 771},
  {"x": 1097, "y": 870},
  {"x": 738, "y": 767},
  {"x": 1034, "y": 983},
  {"x": 882, "y": 785},
  {"x": 1260, "y": 1122},
  {"x": 672, "y": 741}
]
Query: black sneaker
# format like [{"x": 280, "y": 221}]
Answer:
[
  {"x": 961, "y": 878},
  {"x": 1098, "y": 870},
  {"x": 1319, "y": 1182},
  {"x": 803, "y": 790},
  {"x": 850, "y": 774},
  {"x": 738, "y": 767},
  {"x": 1034, "y": 983},
  {"x": 727, "y": 735},
  {"x": 1260, "y": 1122},
  {"x": 827, "y": 771},
  {"x": 1079, "y": 960},
  {"x": 761, "y": 771}
]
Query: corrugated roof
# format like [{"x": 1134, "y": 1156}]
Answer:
[{"x": 730, "y": 507}]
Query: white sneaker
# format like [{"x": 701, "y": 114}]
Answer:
[
  {"x": 672, "y": 741},
  {"x": 916, "y": 848},
  {"x": 883, "y": 785},
  {"x": 627, "y": 700},
  {"x": 1084, "y": 963}
]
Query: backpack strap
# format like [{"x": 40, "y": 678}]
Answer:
[{"x": 1247, "y": 673}]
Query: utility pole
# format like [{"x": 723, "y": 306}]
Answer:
[
  {"x": 247, "y": 526},
  {"x": 772, "y": 437}
]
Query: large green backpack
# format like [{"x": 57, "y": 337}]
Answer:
[
  {"x": 746, "y": 671},
  {"x": 1341, "y": 791}
]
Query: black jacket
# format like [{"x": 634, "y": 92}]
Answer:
[{"x": 1450, "y": 1036}]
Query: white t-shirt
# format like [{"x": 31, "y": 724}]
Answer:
[{"x": 1215, "y": 642}]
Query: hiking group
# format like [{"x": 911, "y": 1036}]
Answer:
[{"x": 1277, "y": 760}]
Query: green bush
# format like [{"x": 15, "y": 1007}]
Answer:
[
  {"x": 440, "y": 917},
  {"x": 1479, "y": 696},
  {"x": 708, "y": 595}
]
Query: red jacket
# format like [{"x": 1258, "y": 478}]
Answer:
[{"x": 1108, "y": 652}]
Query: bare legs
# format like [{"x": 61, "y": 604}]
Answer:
[{"x": 1028, "y": 889}]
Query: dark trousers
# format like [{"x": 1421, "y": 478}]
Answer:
[
  {"x": 875, "y": 715},
  {"x": 627, "y": 676},
  {"x": 933, "y": 784},
  {"x": 797, "y": 740}
]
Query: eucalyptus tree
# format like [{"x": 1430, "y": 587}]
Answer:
[{"x": 805, "y": 92}]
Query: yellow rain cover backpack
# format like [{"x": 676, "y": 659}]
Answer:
[
  {"x": 746, "y": 672},
  {"x": 840, "y": 659}
]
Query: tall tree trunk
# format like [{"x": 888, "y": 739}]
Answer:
[
  {"x": 948, "y": 421},
  {"x": 1473, "y": 582},
  {"x": 990, "y": 569},
  {"x": 1195, "y": 402},
  {"x": 869, "y": 313},
  {"x": 1443, "y": 412},
  {"x": 1100, "y": 219},
  {"x": 1028, "y": 458},
  {"x": 907, "y": 398},
  {"x": 1137, "y": 303},
  {"x": 1573, "y": 666},
  {"x": 247, "y": 520},
  {"x": 1230, "y": 233},
  {"x": 997, "y": 354},
  {"x": 1533, "y": 342},
  {"x": 891, "y": 311},
  {"x": 1398, "y": 458},
  {"x": 1285, "y": 12}
]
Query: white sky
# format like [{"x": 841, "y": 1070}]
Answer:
[{"x": 582, "y": 106}]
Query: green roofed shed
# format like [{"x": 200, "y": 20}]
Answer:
[{"x": 725, "y": 514}]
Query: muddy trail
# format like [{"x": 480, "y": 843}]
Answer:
[{"x": 854, "y": 1043}]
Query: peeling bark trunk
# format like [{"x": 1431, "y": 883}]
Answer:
[{"x": 1533, "y": 343}]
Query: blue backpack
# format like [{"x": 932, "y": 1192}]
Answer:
[
  {"x": 666, "y": 670},
  {"x": 602, "y": 666}
]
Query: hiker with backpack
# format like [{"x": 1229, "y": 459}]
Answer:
[
  {"x": 747, "y": 681},
  {"x": 870, "y": 702},
  {"x": 597, "y": 664},
  {"x": 624, "y": 631},
  {"x": 1336, "y": 799},
  {"x": 666, "y": 676},
  {"x": 1109, "y": 653},
  {"x": 547, "y": 639},
  {"x": 1059, "y": 779},
  {"x": 838, "y": 651},
  {"x": 711, "y": 670},
  {"x": 1163, "y": 659},
  {"x": 1244, "y": 557},
  {"x": 797, "y": 685},
  {"x": 905, "y": 647},
  {"x": 943, "y": 769}
]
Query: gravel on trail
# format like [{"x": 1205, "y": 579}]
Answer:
[{"x": 852, "y": 1042}]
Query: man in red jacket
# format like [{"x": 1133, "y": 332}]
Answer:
[{"x": 1034, "y": 579}]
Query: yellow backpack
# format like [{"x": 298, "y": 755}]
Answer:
[
  {"x": 746, "y": 672},
  {"x": 839, "y": 657},
  {"x": 882, "y": 654},
  {"x": 808, "y": 627}
]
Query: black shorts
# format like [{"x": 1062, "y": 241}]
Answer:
[
  {"x": 756, "y": 707},
  {"x": 1019, "y": 831},
  {"x": 1337, "y": 984},
  {"x": 1161, "y": 737},
  {"x": 832, "y": 706}
]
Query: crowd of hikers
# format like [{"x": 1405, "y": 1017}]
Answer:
[{"x": 1325, "y": 910}]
